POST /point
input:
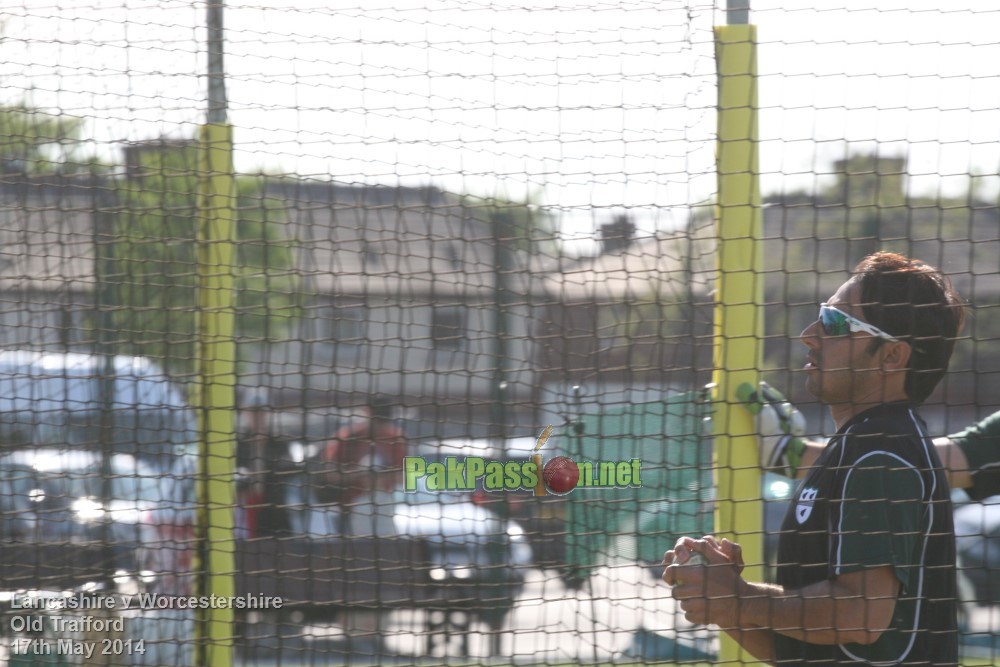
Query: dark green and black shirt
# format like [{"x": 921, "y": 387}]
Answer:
[
  {"x": 981, "y": 445},
  {"x": 877, "y": 496}
]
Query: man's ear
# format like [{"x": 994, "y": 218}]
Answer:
[{"x": 895, "y": 356}]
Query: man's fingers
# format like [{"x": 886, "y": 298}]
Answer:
[
  {"x": 687, "y": 551},
  {"x": 731, "y": 549},
  {"x": 707, "y": 549},
  {"x": 734, "y": 552}
]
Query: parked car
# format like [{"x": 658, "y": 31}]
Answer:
[
  {"x": 93, "y": 402},
  {"x": 977, "y": 538},
  {"x": 165, "y": 557},
  {"x": 467, "y": 538},
  {"x": 539, "y": 521},
  {"x": 68, "y": 496},
  {"x": 467, "y": 541},
  {"x": 85, "y": 443}
]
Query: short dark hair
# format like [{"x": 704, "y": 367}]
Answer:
[
  {"x": 914, "y": 302},
  {"x": 381, "y": 407}
]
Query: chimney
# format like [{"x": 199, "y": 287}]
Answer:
[
  {"x": 868, "y": 179},
  {"x": 617, "y": 235}
]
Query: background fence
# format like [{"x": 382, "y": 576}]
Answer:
[{"x": 221, "y": 248}]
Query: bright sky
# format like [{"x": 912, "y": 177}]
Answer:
[{"x": 591, "y": 107}]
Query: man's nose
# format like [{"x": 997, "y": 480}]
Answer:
[{"x": 810, "y": 334}]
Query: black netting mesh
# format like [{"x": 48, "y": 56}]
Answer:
[{"x": 286, "y": 306}]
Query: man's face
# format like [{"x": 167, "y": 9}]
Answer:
[{"x": 839, "y": 368}]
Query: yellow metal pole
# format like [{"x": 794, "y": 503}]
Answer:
[
  {"x": 738, "y": 319},
  {"x": 216, "y": 393}
]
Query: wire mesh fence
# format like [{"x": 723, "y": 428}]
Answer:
[{"x": 281, "y": 401}]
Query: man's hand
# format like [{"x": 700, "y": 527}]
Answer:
[
  {"x": 705, "y": 575},
  {"x": 780, "y": 427}
]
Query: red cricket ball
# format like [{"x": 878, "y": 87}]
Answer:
[{"x": 561, "y": 475}]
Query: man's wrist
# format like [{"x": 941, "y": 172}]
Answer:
[{"x": 753, "y": 606}]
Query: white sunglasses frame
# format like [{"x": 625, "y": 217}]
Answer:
[{"x": 854, "y": 324}]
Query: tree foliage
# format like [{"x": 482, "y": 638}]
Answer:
[
  {"x": 36, "y": 142},
  {"x": 151, "y": 261}
]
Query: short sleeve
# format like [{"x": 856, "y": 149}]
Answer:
[
  {"x": 981, "y": 445},
  {"x": 878, "y": 522}
]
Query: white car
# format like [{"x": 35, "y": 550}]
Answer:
[{"x": 464, "y": 536}]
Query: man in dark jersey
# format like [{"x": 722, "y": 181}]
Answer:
[{"x": 866, "y": 558}]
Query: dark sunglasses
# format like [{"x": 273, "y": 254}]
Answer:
[{"x": 836, "y": 322}]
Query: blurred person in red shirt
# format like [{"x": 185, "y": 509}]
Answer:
[{"x": 359, "y": 468}]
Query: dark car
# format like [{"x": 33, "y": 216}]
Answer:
[{"x": 74, "y": 498}]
